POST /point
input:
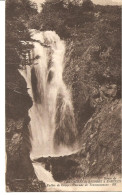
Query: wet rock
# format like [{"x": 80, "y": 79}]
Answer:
[
  {"x": 18, "y": 161},
  {"x": 108, "y": 91},
  {"x": 102, "y": 135},
  {"x": 34, "y": 185},
  {"x": 30, "y": 185},
  {"x": 19, "y": 166}
]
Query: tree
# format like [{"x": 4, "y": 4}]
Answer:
[{"x": 17, "y": 8}]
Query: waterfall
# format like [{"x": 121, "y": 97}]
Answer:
[{"x": 52, "y": 124}]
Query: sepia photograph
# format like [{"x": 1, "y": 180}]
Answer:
[{"x": 63, "y": 95}]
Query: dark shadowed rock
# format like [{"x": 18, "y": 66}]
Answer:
[
  {"x": 103, "y": 141},
  {"x": 20, "y": 175}
]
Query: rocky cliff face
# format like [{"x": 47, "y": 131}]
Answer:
[
  {"x": 102, "y": 141},
  {"x": 20, "y": 174}
]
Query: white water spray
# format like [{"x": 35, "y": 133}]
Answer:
[{"x": 52, "y": 125}]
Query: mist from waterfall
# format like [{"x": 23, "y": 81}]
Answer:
[{"x": 52, "y": 123}]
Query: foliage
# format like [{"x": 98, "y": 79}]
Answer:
[
  {"x": 17, "y": 8},
  {"x": 18, "y": 13}
]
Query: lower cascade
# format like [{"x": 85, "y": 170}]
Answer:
[{"x": 52, "y": 124}]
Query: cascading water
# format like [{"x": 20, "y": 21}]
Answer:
[{"x": 52, "y": 125}]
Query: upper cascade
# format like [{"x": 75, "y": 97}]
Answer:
[{"x": 52, "y": 125}]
